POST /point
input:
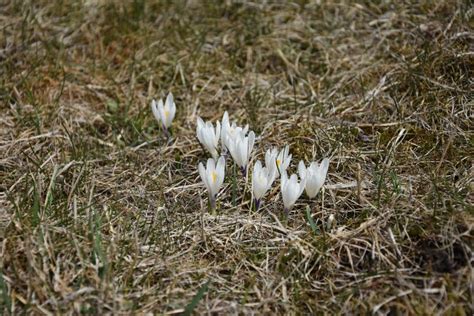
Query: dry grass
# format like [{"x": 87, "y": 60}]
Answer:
[{"x": 98, "y": 214}]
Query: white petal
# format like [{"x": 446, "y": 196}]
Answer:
[
  {"x": 257, "y": 167},
  {"x": 324, "y": 167},
  {"x": 251, "y": 142},
  {"x": 161, "y": 111},
  {"x": 202, "y": 173},
  {"x": 171, "y": 108},
  {"x": 218, "y": 133},
  {"x": 154, "y": 109},
  {"x": 221, "y": 168},
  {"x": 302, "y": 169},
  {"x": 211, "y": 165},
  {"x": 224, "y": 129},
  {"x": 244, "y": 152},
  {"x": 225, "y": 119},
  {"x": 200, "y": 123},
  {"x": 302, "y": 186},
  {"x": 169, "y": 100}
]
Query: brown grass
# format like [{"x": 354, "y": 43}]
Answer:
[{"x": 100, "y": 214}]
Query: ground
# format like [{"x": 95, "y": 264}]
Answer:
[{"x": 101, "y": 213}]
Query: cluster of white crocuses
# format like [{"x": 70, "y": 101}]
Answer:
[{"x": 238, "y": 142}]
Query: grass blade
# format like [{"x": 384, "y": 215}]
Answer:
[
  {"x": 5, "y": 302},
  {"x": 199, "y": 295}
]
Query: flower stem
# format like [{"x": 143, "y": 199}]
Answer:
[
  {"x": 234, "y": 186},
  {"x": 244, "y": 171},
  {"x": 212, "y": 203},
  {"x": 257, "y": 204},
  {"x": 167, "y": 132}
]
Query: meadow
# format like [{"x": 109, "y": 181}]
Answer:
[{"x": 102, "y": 213}]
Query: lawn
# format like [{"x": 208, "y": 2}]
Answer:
[{"x": 102, "y": 213}]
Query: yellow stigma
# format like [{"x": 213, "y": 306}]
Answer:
[
  {"x": 214, "y": 176},
  {"x": 278, "y": 162},
  {"x": 167, "y": 113}
]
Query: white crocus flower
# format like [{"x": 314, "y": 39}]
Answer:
[
  {"x": 213, "y": 177},
  {"x": 315, "y": 176},
  {"x": 291, "y": 190},
  {"x": 229, "y": 132},
  {"x": 208, "y": 136},
  {"x": 262, "y": 180},
  {"x": 164, "y": 114},
  {"x": 240, "y": 148},
  {"x": 283, "y": 159}
]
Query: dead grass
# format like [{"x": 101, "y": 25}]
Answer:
[{"x": 98, "y": 214}]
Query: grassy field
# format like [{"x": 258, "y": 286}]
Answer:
[{"x": 101, "y": 214}]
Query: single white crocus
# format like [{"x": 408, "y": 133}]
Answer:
[
  {"x": 262, "y": 180},
  {"x": 213, "y": 177},
  {"x": 291, "y": 190},
  {"x": 315, "y": 176},
  {"x": 230, "y": 131},
  {"x": 283, "y": 159},
  {"x": 209, "y": 136},
  {"x": 240, "y": 148},
  {"x": 164, "y": 113}
]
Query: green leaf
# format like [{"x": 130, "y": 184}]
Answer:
[
  {"x": 112, "y": 106},
  {"x": 311, "y": 222},
  {"x": 199, "y": 295},
  {"x": 36, "y": 207}
]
